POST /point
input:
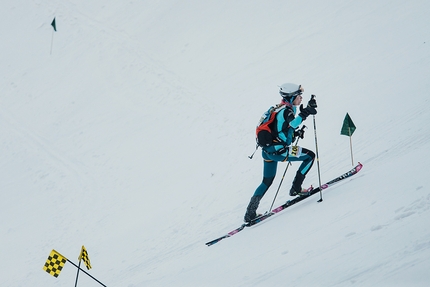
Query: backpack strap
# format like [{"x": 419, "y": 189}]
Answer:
[{"x": 280, "y": 129}]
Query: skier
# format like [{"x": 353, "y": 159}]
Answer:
[{"x": 281, "y": 150}]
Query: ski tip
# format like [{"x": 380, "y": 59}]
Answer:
[{"x": 211, "y": 242}]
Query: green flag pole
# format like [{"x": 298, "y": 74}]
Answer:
[
  {"x": 348, "y": 129},
  {"x": 350, "y": 145}
]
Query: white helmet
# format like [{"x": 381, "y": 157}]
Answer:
[{"x": 289, "y": 91}]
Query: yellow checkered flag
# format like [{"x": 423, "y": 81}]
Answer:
[
  {"x": 84, "y": 256},
  {"x": 55, "y": 263}
]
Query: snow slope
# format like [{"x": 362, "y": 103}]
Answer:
[{"x": 132, "y": 138}]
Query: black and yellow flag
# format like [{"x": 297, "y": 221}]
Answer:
[
  {"x": 348, "y": 127},
  {"x": 53, "y": 25},
  {"x": 84, "y": 256},
  {"x": 55, "y": 263}
]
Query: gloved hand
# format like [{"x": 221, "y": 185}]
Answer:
[
  {"x": 305, "y": 112},
  {"x": 299, "y": 133},
  {"x": 312, "y": 102}
]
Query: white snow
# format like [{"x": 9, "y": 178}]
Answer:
[{"x": 132, "y": 138}]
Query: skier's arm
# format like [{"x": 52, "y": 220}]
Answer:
[{"x": 295, "y": 123}]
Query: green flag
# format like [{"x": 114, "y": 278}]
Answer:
[
  {"x": 53, "y": 25},
  {"x": 348, "y": 127}
]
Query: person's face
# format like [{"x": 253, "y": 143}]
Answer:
[{"x": 297, "y": 101}]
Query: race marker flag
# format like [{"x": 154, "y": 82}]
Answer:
[
  {"x": 348, "y": 128},
  {"x": 55, "y": 263},
  {"x": 54, "y": 25},
  {"x": 84, "y": 256},
  {"x": 52, "y": 38}
]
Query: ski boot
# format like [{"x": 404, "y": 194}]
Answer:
[
  {"x": 251, "y": 210},
  {"x": 301, "y": 192},
  {"x": 297, "y": 189}
]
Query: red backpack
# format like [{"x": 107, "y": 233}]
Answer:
[{"x": 266, "y": 132}]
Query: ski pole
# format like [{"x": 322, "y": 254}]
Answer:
[
  {"x": 318, "y": 158},
  {"x": 286, "y": 168},
  {"x": 280, "y": 183}
]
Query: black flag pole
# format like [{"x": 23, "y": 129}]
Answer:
[
  {"x": 52, "y": 38},
  {"x": 77, "y": 274},
  {"x": 85, "y": 272}
]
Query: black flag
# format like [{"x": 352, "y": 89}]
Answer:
[{"x": 53, "y": 25}]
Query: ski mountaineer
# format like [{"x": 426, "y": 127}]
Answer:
[{"x": 281, "y": 150}]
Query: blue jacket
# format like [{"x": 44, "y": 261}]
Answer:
[{"x": 286, "y": 123}]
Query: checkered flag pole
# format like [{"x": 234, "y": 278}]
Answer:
[
  {"x": 86, "y": 272},
  {"x": 55, "y": 263},
  {"x": 84, "y": 256},
  {"x": 77, "y": 273}
]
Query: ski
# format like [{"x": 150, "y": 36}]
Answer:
[
  {"x": 350, "y": 173},
  {"x": 289, "y": 203},
  {"x": 231, "y": 233}
]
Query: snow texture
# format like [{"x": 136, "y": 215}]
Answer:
[{"x": 132, "y": 137}]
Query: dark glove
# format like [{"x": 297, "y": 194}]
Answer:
[
  {"x": 299, "y": 133},
  {"x": 305, "y": 112},
  {"x": 312, "y": 102}
]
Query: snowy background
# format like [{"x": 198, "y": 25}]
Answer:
[{"x": 132, "y": 138}]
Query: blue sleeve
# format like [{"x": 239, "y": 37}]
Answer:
[
  {"x": 287, "y": 123},
  {"x": 296, "y": 122}
]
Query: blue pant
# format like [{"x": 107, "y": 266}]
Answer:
[{"x": 271, "y": 163}]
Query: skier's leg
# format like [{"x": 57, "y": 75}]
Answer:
[
  {"x": 269, "y": 172},
  {"x": 307, "y": 158}
]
